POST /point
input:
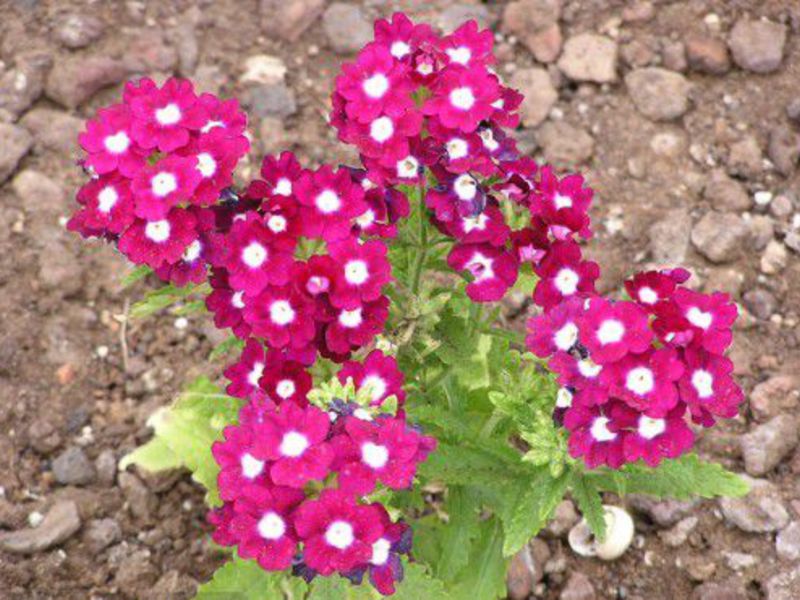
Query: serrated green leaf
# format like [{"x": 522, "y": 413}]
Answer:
[
  {"x": 134, "y": 275},
  {"x": 153, "y": 456},
  {"x": 230, "y": 344},
  {"x": 459, "y": 532},
  {"x": 418, "y": 584},
  {"x": 485, "y": 575},
  {"x": 465, "y": 465},
  {"x": 589, "y": 503},
  {"x": 242, "y": 580},
  {"x": 164, "y": 297}
]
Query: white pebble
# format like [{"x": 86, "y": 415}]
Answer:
[
  {"x": 35, "y": 518},
  {"x": 181, "y": 323}
]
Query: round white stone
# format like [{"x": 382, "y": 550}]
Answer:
[
  {"x": 283, "y": 187},
  {"x": 399, "y": 49},
  {"x": 380, "y": 552},
  {"x": 647, "y": 295},
  {"x": 281, "y": 312},
  {"x": 163, "y": 184},
  {"x": 255, "y": 374},
  {"x": 699, "y": 318},
  {"x": 465, "y": 187},
  {"x": 566, "y": 337},
  {"x": 169, "y": 115},
  {"x": 703, "y": 383},
  {"x": 610, "y": 331},
  {"x": 462, "y": 98},
  {"x": 251, "y": 466},
  {"x": 374, "y": 456},
  {"x": 588, "y": 368},
  {"x": 640, "y": 381},
  {"x": 237, "y": 300},
  {"x": 192, "y": 252},
  {"x": 457, "y": 148},
  {"x": 356, "y": 272},
  {"x": 206, "y": 164},
  {"x": 562, "y": 201},
  {"x": 376, "y": 86},
  {"x": 117, "y": 143},
  {"x": 350, "y": 318},
  {"x": 566, "y": 281},
  {"x": 381, "y": 129},
  {"x": 271, "y": 526},
  {"x": 328, "y": 202},
  {"x": 650, "y": 428},
  {"x": 277, "y": 223},
  {"x": 339, "y": 535},
  {"x": 600, "y": 431},
  {"x": 408, "y": 167},
  {"x": 293, "y": 444},
  {"x": 285, "y": 388},
  {"x": 376, "y": 385},
  {"x": 107, "y": 198},
  {"x": 460, "y": 55},
  {"x": 157, "y": 231},
  {"x": 254, "y": 255}
]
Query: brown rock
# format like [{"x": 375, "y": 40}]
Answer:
[
  {"x": 565, "y": 144},
  {"x": 745, "y": 158},
  {"x": 783, "y": 149},
  {"x": 707, "y": 54},
  {"x": 535, "y": 23},
  {"x": 75, "y": 79},
  {"x": 288, "y": 19},
  {"x": 777, "y": 395},
  {"x": 726, "y": 194},
  {"x": 539, "y": 94},
  {"x": 16, "y": 143},
  {"x": 21, "y": 86},
  {"x": 54, "y": 130},
  {"x": 519, "y": 579},
  {"x": 757, "y": 46},
  {"x": 589, "y": 57},
  {"x": 658, "y": 94},
  {"x": 720, "y": 236},
  {"x": 767, "y": 445},
  {"x": 579, "y": 587},
  {"x": 60, "y": 523}
]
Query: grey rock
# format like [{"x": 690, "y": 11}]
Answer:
[
  {"x": 784, "y": 586},
  {"x": 679, "y": 533},
  {"x": 658, "y": 94},
  {"x": 760, "y": 511},
  {"x": 783, "y": 149},
  {"x": 61, "y": 522},
  {"x": 43, "y": 436},
  {"x": 535, "y": 23},
  {"x": 269, "y": 100},
  {"x": 726, "y": 194},
  {"x": 173, "y": 585},
  {"x": 106, "y": 466},
  {"x": 455, "y": 15},
  {"x": 346, "y": 27},
  {"x": 77, "y": 30},
  {"x": 760, "y": 303},
  {"x": 21, "y": 86},
  {"x": 140, "y": 502},
  {"x": 782, "y": 205},
  {"x": 148, "y": 52},
  {"x": 99, "y": 534},
  {"x": 72, "y": 467},
  {"x": 664, "y": 513},
  {"x": 793, "y": 110},
  {"x": 767, "y": 445},
  {"x": 16, "y": 144},
  {"x": 564, "y": 518},
  {"x": 187, "y": 47},
  {"x": 135, "y": 573},
  {"x": 589, "y": 57},
  {"x": 289, "y": 19},
  {"x": 673, "y": 55},
  {"x": 565, "y": 144},
  {"x": 579, "y": 587},
  {"x": 669, "y": 237},
  {"x": 787, "y": 542},
  {"x": 739, "y": 561},
  {"x": 774, "y": 259},
  {"x": 519, "y": 578},
  {"x": 745, "y": 158},
  {"x": 777, "y": 395},
  {"x": 713, "y": 590},
  {"x": 707, "y": 54},
  {"x": 792, "y": 241},
  {"x": 54, "y": 130},
  {"x": 540, "y": 94},
  {"x": 762, "y": 231},
  {"x": 720, "y": 236},
  {"x": 75, "y": 79},
  {"x": 757, "y": 46}
]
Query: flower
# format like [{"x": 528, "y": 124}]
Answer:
[
  {"x": 489, "y": 226},
  {"x": 107, "y": 206},
  {"x": 164, "y": 117},
  {"x": 384, "y": 137},
  {"x": 227, "y": 305},
  {"x": 707, "y": 386},
  {"x": 710, "y": 316},
  {"x": 285, "y": 380},
  {"x": 581, "y": 375},
  {"x": 293, "y": 440},
  {"x": 192, "y": 265},
  {"x": 651, "y": 287},
  {"x": 281, "y": 315},
  {"x": 563, "y": 274},
  {"x": 278, "y": 176},
  {"x": 245, "y": 374},
  {"x": 222, "y": 115},
  {"x": 468, "y": 46},
  {"x": 216, "y": 155},
  {"x": 563, "y": 204},
  {"x": 401, "y": 36},
  {"x": 493, "y": 269},
  {"x": 362, "y": 269},
  {"x": 220, "y": 518},
  {"x": 556, "y": 330},
  {"x": 654, "y": 438},
  {"x": 329, "y": 201},
  {"x": 239, "y": 468},
  {"x": 647, "y": 381},
  {"x": 595, "y": 435},
  {"x": 109, "y": 144},
  {"x": 385, "y": 565},
  {"x": 352, "y": 329},
  {"x": 157, "y": 241},
  {"x": 158, "y": 188},
  {"x": 379, "y": 373},
  {"x": 610, "y": 330},
  {"x": 337, "y": 533},
  {"x": 462, "y": 97}
]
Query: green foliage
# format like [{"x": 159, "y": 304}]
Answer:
[
  {"x": 170, "y": 295},
  {"x": 242, "y": 580},
  {"x": 228, "y": 346},
  {"x": 136, "y": 274}
]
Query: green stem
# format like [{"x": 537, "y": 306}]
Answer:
[{"x": 422, "y": 255}]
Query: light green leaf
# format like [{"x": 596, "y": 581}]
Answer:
[
  {"x": 242, "y": 580},
  {"x": 485, "y": 575},
  {"x": 155, "y": 455},
  {"x": 224, "y": 347},
  {"x": 589, "y": 503},
  {"x": 458, "y": 534},
  {"x": 417, "y": 584},
  {"x": 135, "y": 274}
]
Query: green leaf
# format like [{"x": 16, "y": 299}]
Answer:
[
  {"x": 166, "y": 296},
  {"x": 681, "y": 478},
  {"x": 457, "y": 536},
  {"x": 135, "y": 274},
  {"x": 484, "y": 578},
  {"x": 155, "y": 455},
  {"x": 242, "y": 580},
  {"x": 589, "y": 503},
  {"x": 468, "y": 465},
  {"x": 417, "y": 584},
  {"x": 228, "y": 345}
]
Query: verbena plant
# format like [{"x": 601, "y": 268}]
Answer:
[{"x": 380, "y": 432}]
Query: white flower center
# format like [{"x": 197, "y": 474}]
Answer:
[
  {"x": 650, "y": 428},
  {"x": 356, "y": 272},
  {"x": 487, "y": 135},
  {"x": 640, "y": 381},
  {"x": 588, "y": 368},
  {"x": 237, "y": 301},
  {"x": 703, "y": 382},
  {"x": 271, "y": 526},
  {"x": 374, "y": 456},
  {"x": 277, "y": 223},
  {"x": 206, "y": 164},
  {"x": 408, "y": 167},
  {"x": 376, "y": 86},
  {"x": 293, "y": 444},
  {"x": 457, "y": 148},
  {"x": 317, "y": 284},
  {"x": 381, "y": 129},
  {"x": 473, "y": 223},
  {"x": 169, "y": 115},
  {"x": 117, "y": 143},
  {"x": 566, "y": 281},
  {"x": 566, "y": 337},
  {"x": 339, "y": 535},
  {"x": 563, "y": 398},
  {"x": 157, "y": 231},
  {"x": 600, "y": 431},
  {"x": 285, "y": 388},
  {"x": 562, "y": 201},
  {"x": 163, "y": 184},
  {"x": 376, "y": 385},
  {"x": 465, "y": 187},
  {"x": 481, "y": 267},
  {"x": 698, "y": 318},
  {"x": 350, "y": 318},
  {"x": 254, "y": 255},
  {"x": 462, "y": 98},
  {"x": 366, "y": 219},
  {"x": 107, "y": 198},
  {"x": 192, "y": 252},
  {"x": 399, "y": 49},
  {"x": 281, "y": 313},
  {"x": 460, "y": 55},
  {"x": 251, "y": 466},
  {"x": 283, "y": 187},
  {"x": 610, "y": 331},
  {"x": 328, "y": 202},
  {"x": 255, "y": 374},
  {"x": 380, "y": 552},
  {"x": 647, "y": 295}
]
